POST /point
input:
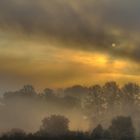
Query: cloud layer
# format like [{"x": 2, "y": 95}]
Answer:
[
  {"x": 89, "y": 25},
  {"x": 60, "y": 42}
]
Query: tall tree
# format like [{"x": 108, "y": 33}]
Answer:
[
  {"x": 112, "y": 94},
  {"x": 131, "y": 93},
  {"x": 93, "y": 104}
]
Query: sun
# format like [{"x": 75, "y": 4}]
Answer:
[{"x": 101, "y": 59}]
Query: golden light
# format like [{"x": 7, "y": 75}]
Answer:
[
  {"x": 101, "y": 59},
  {"x": 113, "y": 44}
]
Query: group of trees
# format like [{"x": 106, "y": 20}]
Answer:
[
  {"x": 57, "y": 127},
  {"x": 121, "y": 128},
  {"x": 95, "y": 101},
  {"x": 111, "y": 100},
  {"x": 99, "y": 104},
  {"x": 98, "y": 97},
  {"x": 60, "y": 97}
]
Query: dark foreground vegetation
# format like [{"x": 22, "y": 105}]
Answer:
[
  {"x": 56, "y": 127},
  {"x": 112, "y": 111}
]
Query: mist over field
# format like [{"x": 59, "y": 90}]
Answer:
[{"x": 84, "y": 107}]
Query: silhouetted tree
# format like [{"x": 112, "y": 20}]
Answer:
[
  {"x": 76, "y": 91},
  {"x": 26, "y": 91},
  {"x": 54, "y": 125},
  {"x": 97, "y": 133},
  {"x": 96, "y": 94},
  {"x": 93, "y": 104},
  {"x": 131, "y": 93},
  {"x": 122, "y": 129},
  {"x": 112, "y": 94}
]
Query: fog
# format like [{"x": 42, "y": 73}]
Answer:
[
  {"x": 85, "y": 107},
  {"x": 27, "y": 112}
]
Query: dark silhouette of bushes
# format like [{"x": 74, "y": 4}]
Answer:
[
  {"x": 55, "y": 127},
  {"x": 122, "y": 128}
]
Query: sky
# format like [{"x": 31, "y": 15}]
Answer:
[{"x": 59, "y": 43}]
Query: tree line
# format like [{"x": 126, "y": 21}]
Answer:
[
  {"x": 98, "y": 103},
  {"x": 56, "y": 127},
  {"x": 94, "y": 101}
]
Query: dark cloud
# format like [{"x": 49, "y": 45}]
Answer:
[
  {"x": 122, "y": 13},
  {"x": 83, "y": 23}
]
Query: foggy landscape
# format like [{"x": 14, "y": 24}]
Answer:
[
  {"x": 69, "y": 69},
  {"x": 84, "y": 109}
]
